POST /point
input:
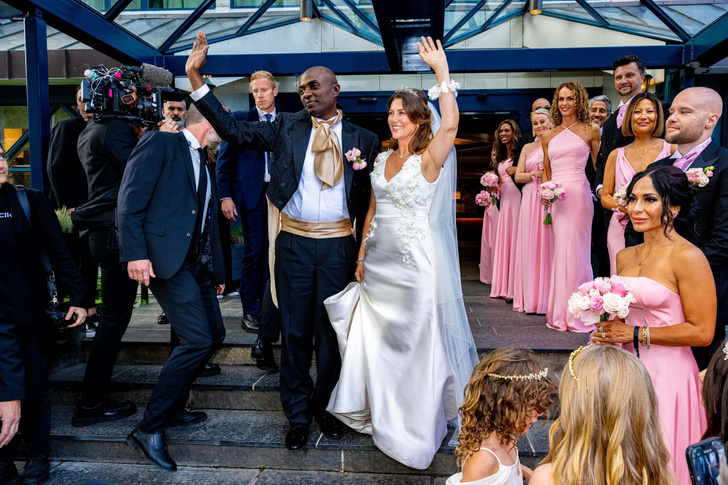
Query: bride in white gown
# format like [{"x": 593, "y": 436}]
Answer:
[{"x": 406, "y": 346}]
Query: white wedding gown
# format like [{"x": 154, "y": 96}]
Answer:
[{"x": 396, "y": 383}]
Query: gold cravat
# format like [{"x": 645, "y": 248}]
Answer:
[{"x": 327, "y": 162}]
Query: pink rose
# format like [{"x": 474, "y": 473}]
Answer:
[
  {"x": 596, "y": 304},
  {"x": 356, "y": 166},
  {"x": 586, "y": 287},
  {"x": 692, "y": 177},
  {"x": 709, "y": 173},
  {"x": 356, "y": 152},
  {"x": 350, "y": 155},
  {"x": 602, "y": 286},
  {"x": 620, "y": 289},
  {"x": 547, "y": 194}
]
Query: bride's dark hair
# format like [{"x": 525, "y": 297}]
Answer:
[
  {"x": 415, "y": 105},
  {"x": 672, "y": 185}
]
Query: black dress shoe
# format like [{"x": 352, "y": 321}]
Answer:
[
  {"x": 509, "y": 301},
  {"x": 37, "y": 469},
  {"x": 296, "y": 437},
  {"x": 107, "y": 410},
  {"x": 185, "y": 417},
  {"x": 330, "y": 426},
  {"x": 250, "y": 323},
  {"x": 163, "y": 320},
  {"x": 8, "y": 472},
  {"x": 153, "y": 446},
  {"x": 210, "y": 370},
  {"x": 262, "y": 352}
]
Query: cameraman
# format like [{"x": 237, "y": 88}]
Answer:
[{"x": 104, "y": 148}]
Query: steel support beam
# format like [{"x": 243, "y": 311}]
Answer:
[
  {"x": 88, "y": 26},
  {"x": 480, "y": 60},
  {"x": 39, "y": 118},
  {"x": 185, "y": 26},
  {"x": 666, "y": 19},
  {"x": 710, "y": 45}
]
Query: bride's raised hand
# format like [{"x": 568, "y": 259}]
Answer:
[
  {"x": 359, "y": 273},
  {"x": 432, "y": 53}
]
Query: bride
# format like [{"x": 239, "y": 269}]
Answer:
[{"x": 406, "y": 346}]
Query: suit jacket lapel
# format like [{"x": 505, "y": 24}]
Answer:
[
  {"x": 707, "y": 157},
  {"x": 184, "y": 147},
  {"x": 300, "y": 137},
  {"x": 349, "y": 140}
]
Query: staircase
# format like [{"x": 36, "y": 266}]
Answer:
[{"x": 242, "y": 442}]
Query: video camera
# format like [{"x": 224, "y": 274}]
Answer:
[{"x": 136, "y": 94}]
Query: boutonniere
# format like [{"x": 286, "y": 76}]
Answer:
[
  {"x": 700, "y": 176},
  {"x": 354, "y": 157}
]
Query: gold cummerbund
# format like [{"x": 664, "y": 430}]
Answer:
[{"x": 316, "y": 230}]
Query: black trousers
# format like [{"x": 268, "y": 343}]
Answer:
[
  {"x": 36, "y": 344},
  {"x": 190, "y": 301},
  {"x": 255, "y": 273},
  {"x": 270, "y": 318},
  {"x": 118, "y": 293},
  {"x": 307, "y": 272}
]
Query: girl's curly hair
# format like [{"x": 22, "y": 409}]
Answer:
[
  {"x": 501, "y": 406},
  {"x": 581, "y": 103}
]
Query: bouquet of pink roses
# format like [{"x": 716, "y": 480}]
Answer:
[
  {"x": 601, "y": 300},
  {"x": 483, "y": 198},
  {"x": 551, "y": 191},
  {"x": 489, "y": 179}
]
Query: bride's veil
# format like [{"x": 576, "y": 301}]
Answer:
[{"x": 455, "y": 329}]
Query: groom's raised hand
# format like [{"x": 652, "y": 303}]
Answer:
[{"x": 197, "y": 60}]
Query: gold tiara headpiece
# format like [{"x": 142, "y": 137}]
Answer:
[
  {"x": 571, "y": 360},
  {"x": 533, "y": 376}
]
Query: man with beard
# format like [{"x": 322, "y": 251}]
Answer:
[
  {"x": 170, "y": 241},
  {"x": 693, "y": 115},
  {"x": 319, "y": 196},
  {"x": 176, "y": 111}
]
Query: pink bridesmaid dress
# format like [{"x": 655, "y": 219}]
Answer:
[
  {"x": 534, "y": 248},
  {"x": 623, "y": 173},
  {"x": 487, "y": 243},
  {"x": 673, "y": 370},
  {"x": 504, "y": 261},
  {"x": 572, "y": 218}
]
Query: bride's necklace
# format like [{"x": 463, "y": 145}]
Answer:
[{"x": 402, "y": 156}]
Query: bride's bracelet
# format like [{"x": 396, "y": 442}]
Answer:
[{"x": 446, "y": 87}]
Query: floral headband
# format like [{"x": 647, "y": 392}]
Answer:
[{"x": 533, "y": 376}]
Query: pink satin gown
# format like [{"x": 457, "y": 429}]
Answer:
[
  {"x": 572, "y": 219},
  {"x": 623, "y": 173},
  {"x": 673, "y": 370},
  {"x": 504, "y": 261},
  {"x": 534, "y": 248},
  {"x": 487, "y": 243}
]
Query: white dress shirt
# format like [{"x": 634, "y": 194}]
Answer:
[{"x": 195, "y": 155}]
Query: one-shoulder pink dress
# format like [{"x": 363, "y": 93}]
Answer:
[
  {"x": 572, "y": 219},
  {"x": 534, "y": 247},
  {"x": 487, "y": 243},
  {"x": 504, "y": 261},
  {"x": 623, "y": 173},
  {"x": 673, "y": 370}
]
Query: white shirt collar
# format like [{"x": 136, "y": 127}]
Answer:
[
  {"x": 261, "y": 113},
  {"x": 191, "y": 140},
  {"x": 622, "y": 103}
]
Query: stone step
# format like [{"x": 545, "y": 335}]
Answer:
[
  {"x": 236, "y": 351},
  {"x": 238, "y": 387},
  {"x": 254, "y": 439},
  {"x": 73, "y": 473}
]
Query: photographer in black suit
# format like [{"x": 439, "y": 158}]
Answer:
[
  {"x": 319, "y": 196},
  {"x": 170, "y": 241}
]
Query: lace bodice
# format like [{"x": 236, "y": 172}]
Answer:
[{"x": 407, "y": 196}]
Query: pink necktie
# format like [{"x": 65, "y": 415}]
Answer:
[
  {"x": 684, "y": 162},
  {"x": 620, "y": 115}
]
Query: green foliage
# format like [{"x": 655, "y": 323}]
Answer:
[
  {"x": 64, "y": 218},
  {"x": 236, "y": 235}
]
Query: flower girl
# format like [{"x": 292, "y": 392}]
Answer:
[{"x": 506, "y": 394}]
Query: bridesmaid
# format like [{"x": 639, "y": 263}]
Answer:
[
  {"x": 487, "y": 243},
  {"x": 645, "y": 121},
  {"x": 568, "y": 147},
  {"x": 675, "y": 308},
  {"x": 535, "y": 242},
  {"x": 504, "y": 261}
]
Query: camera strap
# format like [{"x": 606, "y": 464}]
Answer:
[{"x": 51, "y": 278}]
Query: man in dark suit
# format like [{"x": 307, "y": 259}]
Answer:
[
  {"x": 600, "y": 109},
  {"x": 242, "y": 181},
  {"x": 320, "y": 196},
  {"x": 693, "y": 115},
  {"x": 170, "y": 241}
]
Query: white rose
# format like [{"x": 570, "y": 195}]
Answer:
[
  {"x": 590, "y": 318},
  {"x": 594, "y": 292},
  {"x": 702, "y": 179},
  {"x": 623, "y": 313},
  {"x": 613, "y": 303},
  {"x": 574, "y": 307},
  {"x": 558, "y": 191}
]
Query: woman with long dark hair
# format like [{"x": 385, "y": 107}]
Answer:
[
  {"x": 676, "y": 303},
  {"x": 504, "y": 252},
  {"x": 567, "y": 148}
]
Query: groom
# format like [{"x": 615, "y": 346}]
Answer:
[{"x": 320, "y": 197}]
